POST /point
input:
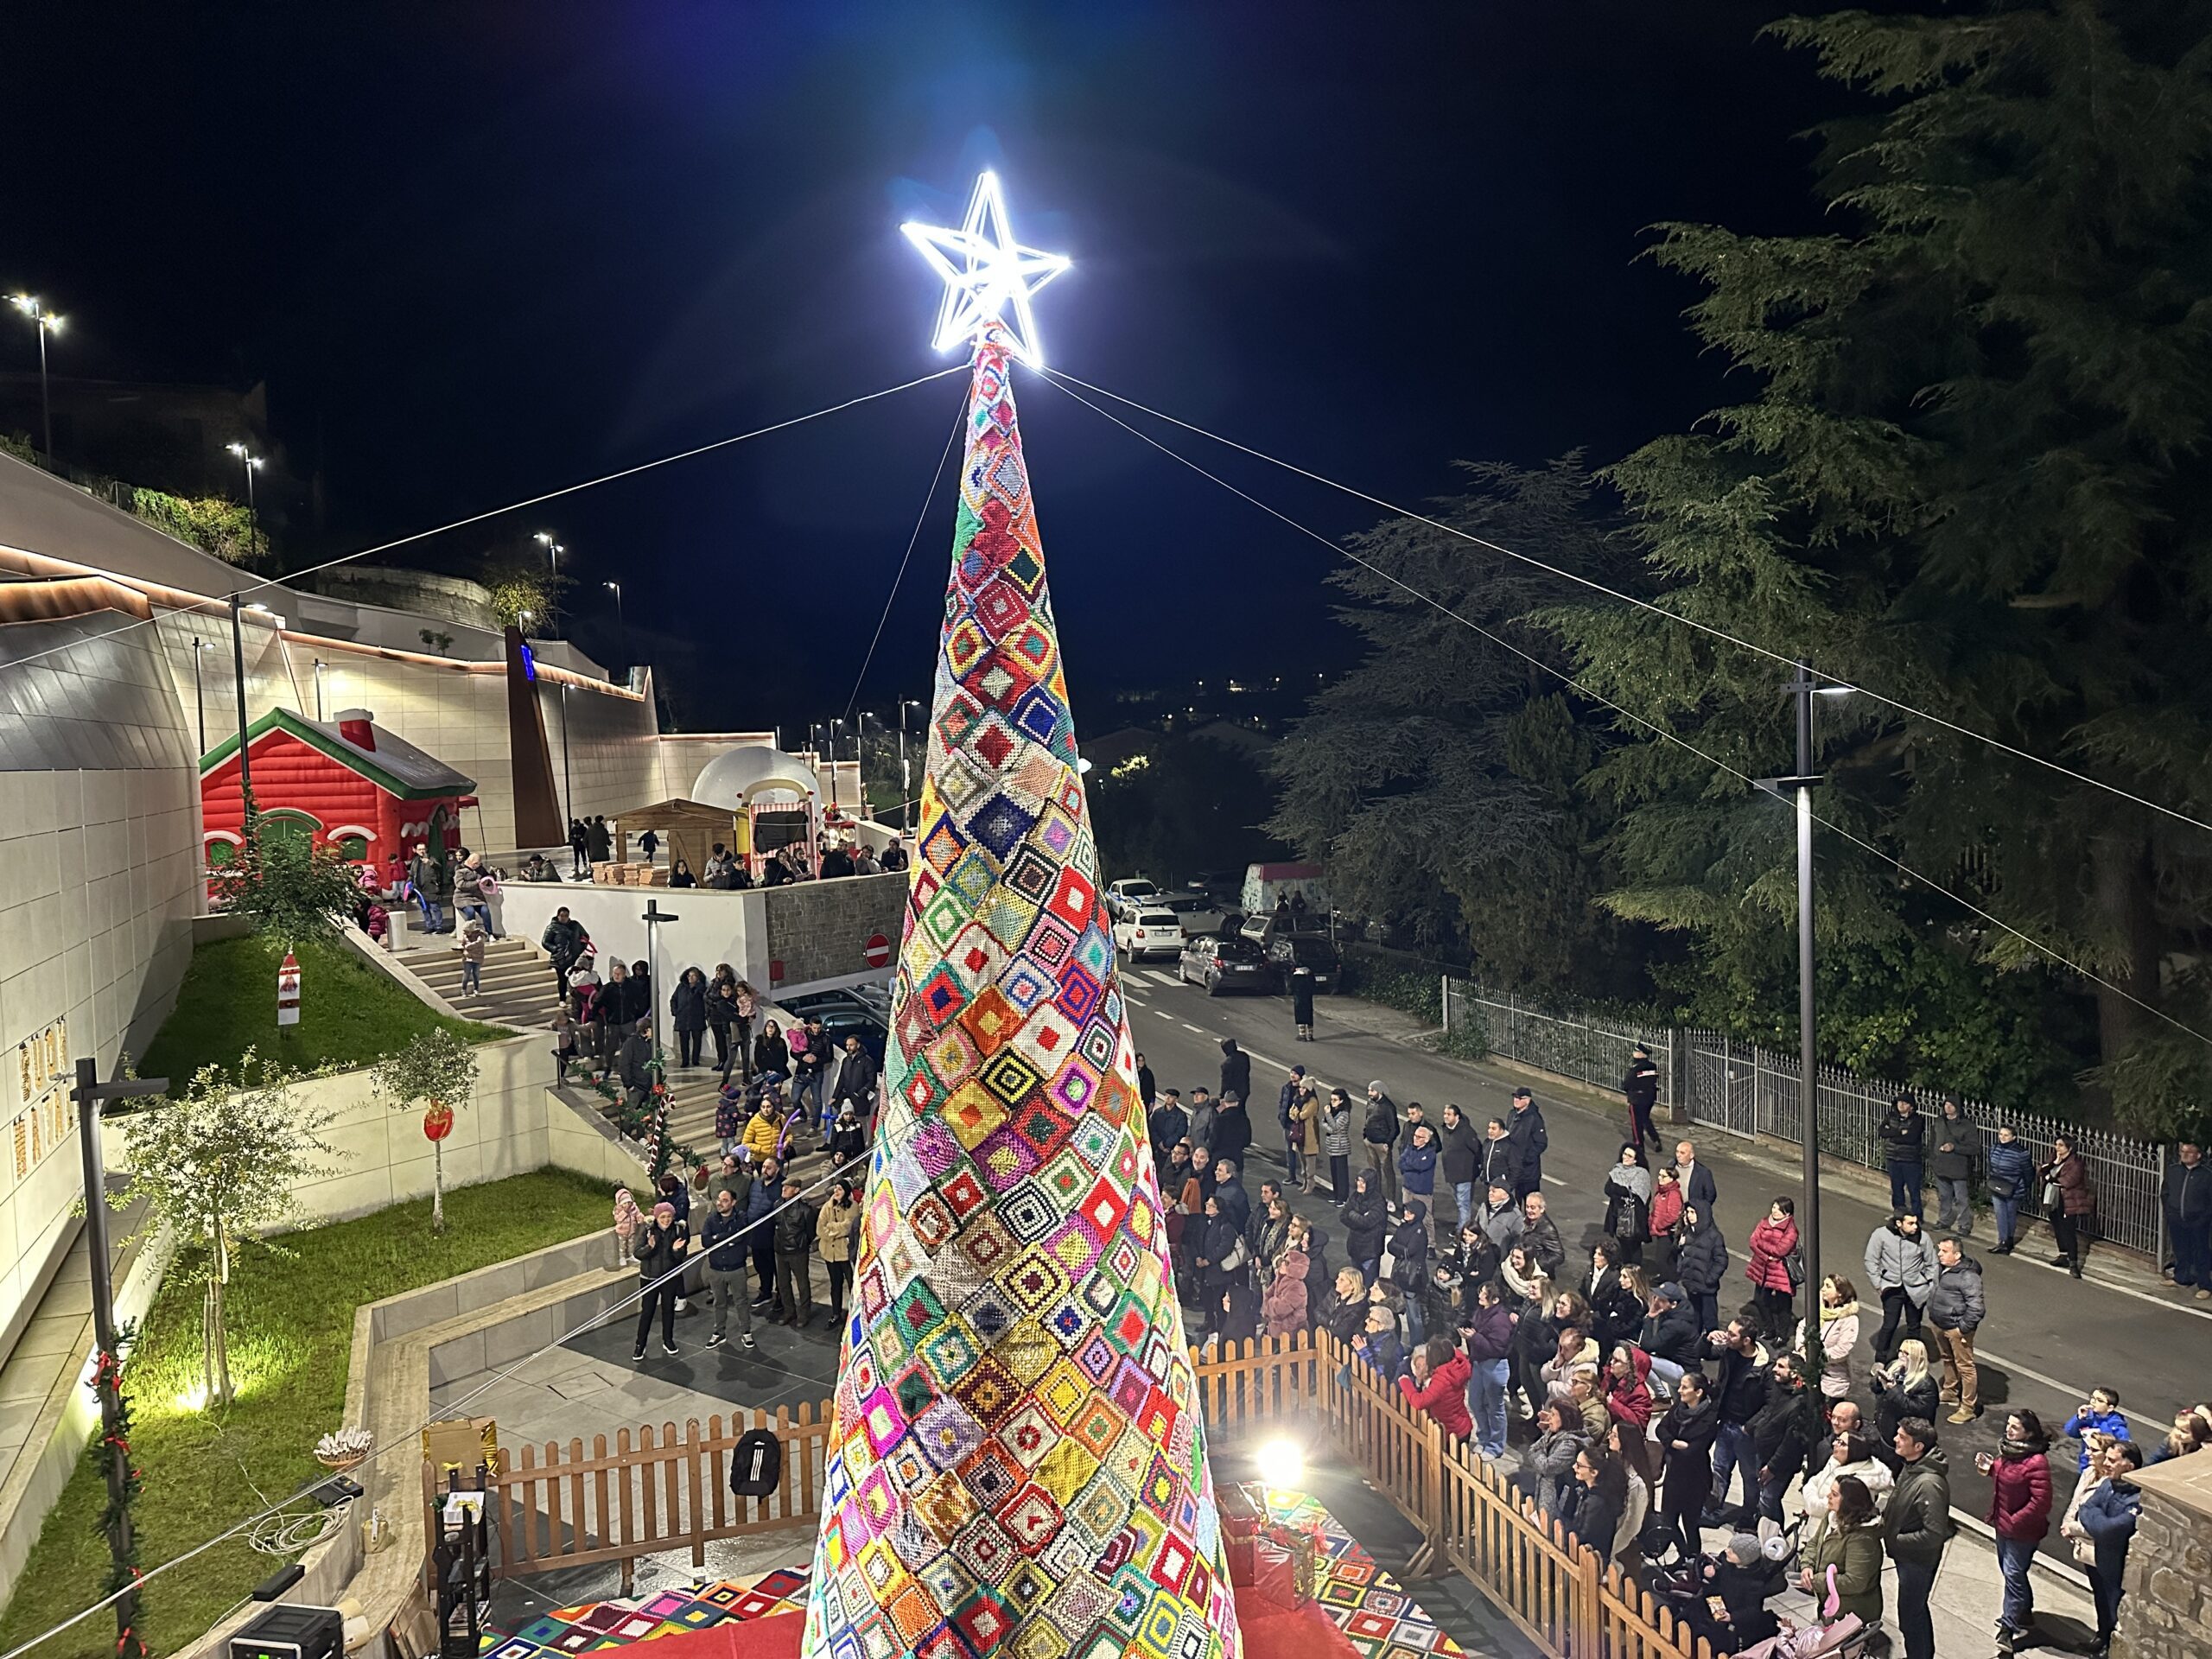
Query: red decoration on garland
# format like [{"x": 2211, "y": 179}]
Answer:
[{"x": 437, "y": 1123}]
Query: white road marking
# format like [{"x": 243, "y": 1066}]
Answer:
[
  {"x": 2049, "y": 1381},
  {"x": 1554, "y": 1180},
  {"x": 1187, "y": 1026},
  {"x": 2120, "y": 1289},
  {"x": 1158, "y": 978}
]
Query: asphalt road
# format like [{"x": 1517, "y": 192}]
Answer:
[{"x": 2049, "y": 1338}]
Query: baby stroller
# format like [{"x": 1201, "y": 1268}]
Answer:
[
  {"x": 1846, "y": 1638},
  {"x": 1723, "y": 1597}
]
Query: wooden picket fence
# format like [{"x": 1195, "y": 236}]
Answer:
[{"x": 657, "y": 1490}]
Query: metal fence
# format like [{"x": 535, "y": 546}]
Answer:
[
  {"x": 1748, "y": 1091},
  {"x": 1589, "y": 1048}
]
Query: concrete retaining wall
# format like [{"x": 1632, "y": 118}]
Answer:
[{"x": 780, "y": 939}]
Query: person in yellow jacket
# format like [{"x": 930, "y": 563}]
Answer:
[
  {"x": 833, "y": 1236},
  {"x": 763, "y": 1131}
]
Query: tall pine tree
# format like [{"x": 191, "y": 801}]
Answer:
[
  {"x": 1439, "y": 779},
  {"x": 1971, "y": 475}
]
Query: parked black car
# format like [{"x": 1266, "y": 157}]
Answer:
[{"x": 1311, "y": 952}]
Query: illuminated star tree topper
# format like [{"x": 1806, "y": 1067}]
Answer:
[{"x": 989, "y": 278}]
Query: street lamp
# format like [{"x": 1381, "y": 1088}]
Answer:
[
  {"x": 621, "y": 622},
  {"x": 860, "y": 759},
  {"x": 1803, "y": 692},
  {"x": 836, "y": 720},
  {"x": 47, "y": 323},
  {"x": 905, "y": 777},
  {"x": 553, "y": 551},
  {"x": 198, "y": 696},
  {"x": 249, "y": 461},
  {"x": 319, "y": 666}
]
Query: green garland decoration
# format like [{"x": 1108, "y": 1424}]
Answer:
[{"x": 114, "y": 1523}]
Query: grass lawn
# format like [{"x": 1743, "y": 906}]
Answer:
[
  {"x": 350, "y": 1013},
  {"x": 291, "y": 1321}
]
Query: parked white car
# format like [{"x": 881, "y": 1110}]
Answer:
[
  {"x": 1198, "y": 915},
  {"x": 1149, "y": 932},
  {"x": 1125, "y": 896}
]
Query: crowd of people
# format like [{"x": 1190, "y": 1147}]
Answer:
[
  {"x": 1632, "y": 1409},
  {"x": 791, "y": 1109},
  {"x": 834, "y": 854}
]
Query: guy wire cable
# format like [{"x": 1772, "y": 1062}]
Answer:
[
  {"x": 959, "y": 422},
  {"x": 1681, "y": 742},
  {"x": 1786, "y": 660},
  {"x": 212, "y": 606}
]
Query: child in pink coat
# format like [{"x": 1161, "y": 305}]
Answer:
[{"x": 627, "y": 1219}]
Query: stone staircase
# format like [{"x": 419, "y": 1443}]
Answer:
[
  {"x": 691, "y": 1118},
  {"x": 517, "y": 988}
]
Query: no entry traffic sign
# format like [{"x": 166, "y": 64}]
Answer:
[{"x": 877, "y": 951}]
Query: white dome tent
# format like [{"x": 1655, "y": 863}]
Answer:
[{"x": 739, "y": 777}]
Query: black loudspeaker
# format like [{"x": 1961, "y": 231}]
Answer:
[{"x": 289, "y": 1631}]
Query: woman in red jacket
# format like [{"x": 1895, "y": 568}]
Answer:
[
  {"x": 2019, "y": 1510},
  {"x": 1771, "y": 1242},
  {"x": 1438, "y": 1386}
]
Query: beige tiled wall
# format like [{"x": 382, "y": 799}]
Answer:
[{"x": 99, "y": 883}]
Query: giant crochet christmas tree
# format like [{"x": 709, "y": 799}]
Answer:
[{"x": 1018, "y": 1465}]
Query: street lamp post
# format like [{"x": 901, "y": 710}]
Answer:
[
  {"x": 1803, "y": 690},
  {"x": 238, "y": 664},
  {"x": 47, "y": 323},
  {"x": 905, "y": 775},
  {"x": 553, "y": 551},
  {"x": 621, "y": 622},
  {"x": 91, "y": 1094},
  {"x": 249, "y": 461},
  {"x": 860, "y": 760},
  {"x": 319, "y": 666},
  {"x": 198, "y": 694},
  {"x": 836, "y": 720}
]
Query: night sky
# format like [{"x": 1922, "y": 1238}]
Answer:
[{"x": 481, "y": 250}]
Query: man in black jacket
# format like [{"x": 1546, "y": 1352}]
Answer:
[
  {"x": 794, "y": 1262},
  {"x": 1916, "y": 1526},
  {"x": 1530, "y": 1143},
  {"x": 1379, "y": 1133},
  {"x": 856, "y": 1081},
  {"x": 1640, "y": 1088},
  {"x": 564, "y": 940},
  {"x": 726, "y": 1260},
  {"x": 1783, "y": 1433},
  {"x": 1235, "y": 1070},
  {"x": 1741, "y": 1391},
  {"x": 1167, "y": 1124},
  {"x": 1540, "y": 1235},
  {"x": 2187, "y": 1198},
  {"x": 1498, "y": 1160},
  {"x": 1670, "y": 1335},
  {"x": 1904, "y": 1136}
]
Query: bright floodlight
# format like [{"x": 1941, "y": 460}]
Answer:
[
  {"x": 988, "y": 276},
  {"x": 1281, "y": 1464}
]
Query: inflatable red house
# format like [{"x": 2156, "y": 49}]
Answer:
[{"x": 347, "y": 783}]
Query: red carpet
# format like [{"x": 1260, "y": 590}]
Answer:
[{"x": 1307, "y": 1633}]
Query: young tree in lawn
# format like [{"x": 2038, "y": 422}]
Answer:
[
  {"x": 220, "y": 1167},
  {"x": 437, "y": 1072},
  {"x": 287, "y": 888}
]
